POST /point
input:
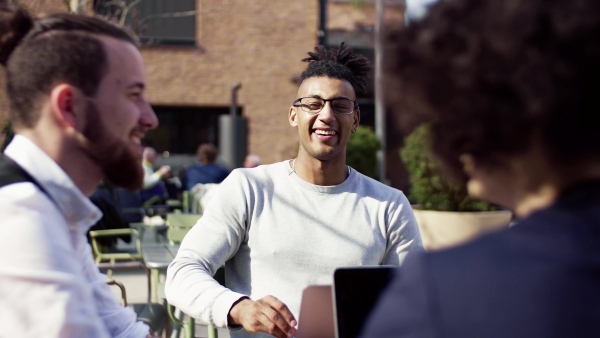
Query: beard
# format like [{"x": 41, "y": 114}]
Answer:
[{"x": 120, "y": 164}]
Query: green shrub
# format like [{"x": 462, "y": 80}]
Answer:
[
  {"x": 429, "y": 188},
  {"x": 361, "y": 151}
]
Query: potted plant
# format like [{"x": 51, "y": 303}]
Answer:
[
  {"x": 361, "y": 151},
  {"x": 445, "y": 213}
]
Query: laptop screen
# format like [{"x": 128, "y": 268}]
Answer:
[{"x": 356, "y": 291}]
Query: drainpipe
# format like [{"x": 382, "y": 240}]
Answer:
[
  {"x": 233, "y": 107},
  {"x": 234, "y": 122},
  {"x": 380, "y": 118},
  {"x": 322, "y": 33}
]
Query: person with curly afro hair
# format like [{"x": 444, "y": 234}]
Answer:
[
  {"x": 506, "y": 87},
  {"x": 281, "y": 227}
]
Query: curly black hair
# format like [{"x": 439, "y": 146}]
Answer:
[
  {"x": 488, "y": 75},
  {"x": 338, "y": 63}
]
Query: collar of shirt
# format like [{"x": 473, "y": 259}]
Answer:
[{"x": 77, "y": 209}]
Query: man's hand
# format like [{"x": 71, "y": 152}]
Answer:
[
  {"x": 267, "y": 314},
  {"x": 164, "y": 171}
]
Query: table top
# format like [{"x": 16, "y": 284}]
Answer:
[{"x": 159, "y": 256}]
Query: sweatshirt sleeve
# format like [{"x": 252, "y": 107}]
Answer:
[
  {"x": 216, "y": 237},
  {"x": 403, "y": 234}
]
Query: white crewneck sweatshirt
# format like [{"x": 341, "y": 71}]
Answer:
[{"x": 277, "y": 234}]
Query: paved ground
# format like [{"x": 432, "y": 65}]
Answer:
[{"x": 136, "y": 285}]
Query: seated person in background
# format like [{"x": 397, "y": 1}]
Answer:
[
  {"x": 153, "y": 184},
  {"x": 507, "y": 87},
  {"x": 206, "y": 170},
  {"x": 251, "y": 161},
  {"x": 281, "y": 227},
  {"x": 105, "y": 198}
]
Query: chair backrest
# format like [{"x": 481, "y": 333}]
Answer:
[
  {"x": 115, "y": 255},
  {"x": 114, "y": 258},
  {"x": 179, "y": 224},
  {"x": 186, "y": 201}
]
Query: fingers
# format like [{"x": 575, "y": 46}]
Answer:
[
  {"x": 285, "y": 315},
  {"x": 278, "y": 319},
  {"x": 165, "y": 170},
  {"x": 267, "y": 314}
]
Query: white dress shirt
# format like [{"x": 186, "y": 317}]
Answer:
[{"x": 50, "y": 285}]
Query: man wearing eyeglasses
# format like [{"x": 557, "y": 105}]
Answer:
[{"x": 281, "y": 227}]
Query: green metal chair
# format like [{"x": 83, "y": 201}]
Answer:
[
  {"x": 153, "y": 314},
  {"x": 110, "y": 258},
  {"x": 189, "y": 326},
  {"x": 178, "y": 225}
]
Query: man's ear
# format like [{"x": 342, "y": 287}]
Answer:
[
  {"x": 356, "y": 119},
  {"x": 65, "y": 102},
  {"x": 292, "y": 117}
]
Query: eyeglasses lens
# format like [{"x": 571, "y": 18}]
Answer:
[{"x": 315, "y": 105}]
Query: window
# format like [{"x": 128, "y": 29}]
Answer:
[
  {"x": 182, "y": 129},
  {"x": 157, "y": 22}
]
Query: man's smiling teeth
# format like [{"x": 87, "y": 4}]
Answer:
[{"x": 325, "y": 132}]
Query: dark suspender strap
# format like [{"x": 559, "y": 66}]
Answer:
[{"x": 11, "y": 172}]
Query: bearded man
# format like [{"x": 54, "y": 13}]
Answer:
[{"x": 76, "y": 90}]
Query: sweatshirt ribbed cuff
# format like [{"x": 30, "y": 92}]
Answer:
[{"x": 222, "y": 306}]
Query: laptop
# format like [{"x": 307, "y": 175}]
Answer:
[
  {"x": 354, "y": 293},
  {"x": 316, "y": 313}
]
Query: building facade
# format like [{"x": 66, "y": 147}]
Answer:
[{"x": 196, "y": 50}]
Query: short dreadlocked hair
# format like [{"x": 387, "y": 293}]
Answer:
[{"x": 338, "y": 63}]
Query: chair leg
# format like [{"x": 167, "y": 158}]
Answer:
[
  {"x": 176, "y": 320},
  {"x": 168, "y": 328},
  {"x": 212, "y": 332},
  {"x": 155, "y": 280},
  {"x": 149, "y": 277},
  {"x": 190, "y": 328}
]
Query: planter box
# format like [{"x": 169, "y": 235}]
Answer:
[{"x": 443, "y": 229}]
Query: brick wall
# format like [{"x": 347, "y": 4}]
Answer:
[
  {"x": 346, "y": 15},
  {"x": 258, "y": 43}
]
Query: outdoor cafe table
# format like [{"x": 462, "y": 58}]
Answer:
[{"x": 157, "y": 258}]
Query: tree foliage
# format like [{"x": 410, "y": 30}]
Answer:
[
  {"x": 429, "y": 187},
  {"x": 361, "y": 151}
]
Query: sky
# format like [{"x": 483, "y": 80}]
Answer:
[{"x": 416, "y": 9}]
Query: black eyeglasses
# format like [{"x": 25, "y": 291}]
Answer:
[{"x": 313, "y": 105}]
